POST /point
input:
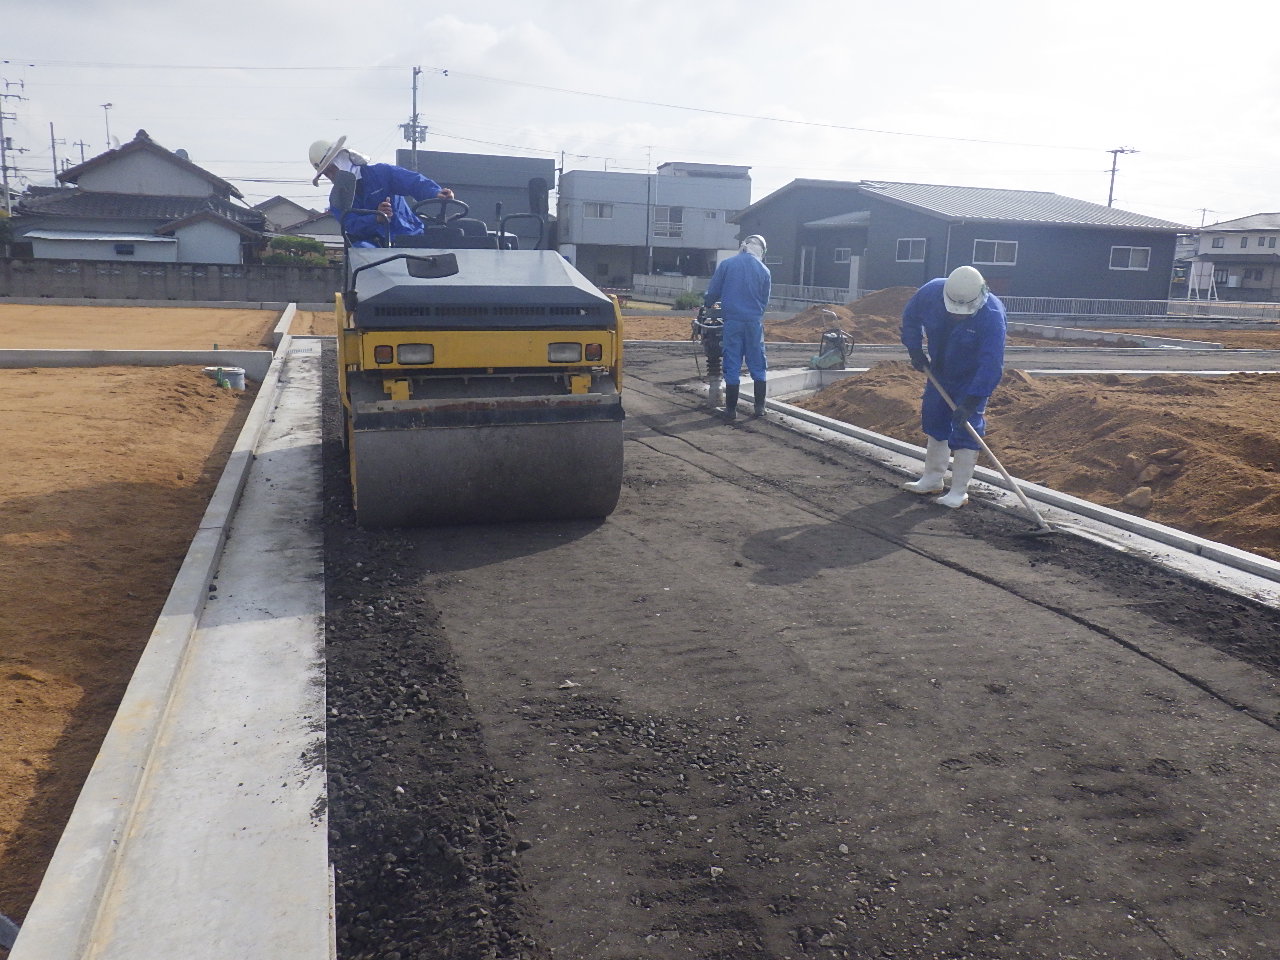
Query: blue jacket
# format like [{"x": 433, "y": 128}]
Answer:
[
  {"x": 966, "y": 354},
  {"x": 742, "y": 285},
  {"x": 383, "y": 181}
]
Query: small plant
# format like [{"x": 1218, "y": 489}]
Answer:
[{"x": 688, "y": 301}]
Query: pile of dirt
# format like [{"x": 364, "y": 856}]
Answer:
[{"x": 1192, "y": 453}]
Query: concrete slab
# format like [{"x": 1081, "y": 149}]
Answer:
[
  {"x": 254, "y": 362},
  {"x": 201, "y": 831}
]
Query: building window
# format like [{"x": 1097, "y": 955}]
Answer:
[
  {"x": 712, "y": 214},
  {"x": 1220, "y": 275},
  {"x": 911, "y": 250},
  {"x": 597, "y": 211},
  {"x": 1001, "y": 252},
  {"x": 1271, "y": 243},
  {"x": 124, "y": 249},
  {"x": 1219, "y": 242},
  {"x": 1244, "y": 242},
  {"x": 1130, "y": 258},
  {"x": 842, "y": 254},
  {"x": 668, "y": 222},
  {"x": 1253, "y": 274}
]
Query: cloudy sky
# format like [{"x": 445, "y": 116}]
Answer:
[{"x": 1008, "y": 93}]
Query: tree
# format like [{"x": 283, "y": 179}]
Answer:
[{"x": 296, "y": 250}]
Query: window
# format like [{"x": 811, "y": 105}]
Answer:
[
  {"x": 1244, "y": 242},
  {"x": 668, "y": 222},
  {"x": 712, "y": 214},
  {"x": 995, "y": 252},
  {"x": 1253, "y": 274},
  {"x": 1220, "y": 275},
  {"x": 1130, "y": 258},
  {"x": 911, "y": 250},
  {"x": 124, "y": 249},
  {"x": 1271, "y": 243},
  {"x": 597, "y": 211},
  {"x": 1219, "y": 242},
  {"x": 842, "y": 254}
]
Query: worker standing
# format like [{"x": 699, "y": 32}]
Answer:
[
  {"x": 741, "y": 285},
  {"x": 380, "y": 187},
  {"x": 963, "y": 325}
]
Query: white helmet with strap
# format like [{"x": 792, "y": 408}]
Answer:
[{"x": 965, "y": 291}]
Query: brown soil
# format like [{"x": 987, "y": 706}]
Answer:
[{"x": 107, "y": 473}]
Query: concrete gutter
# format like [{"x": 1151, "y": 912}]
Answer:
[
  {"x": 201, "y": 831},
  {"x": 255, "y": 363},
  {"x": 1078, "y": 333}
]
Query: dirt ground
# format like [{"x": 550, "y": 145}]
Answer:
[{"x": 103, "y": 497}]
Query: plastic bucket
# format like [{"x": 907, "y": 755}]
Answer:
[{"x": 232, "y": 377}]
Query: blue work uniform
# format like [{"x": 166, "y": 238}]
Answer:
[
  {"x": 376, "y": 182},
  {"x": 966, "y": 355},
  {"x": 742, "y": 285}
]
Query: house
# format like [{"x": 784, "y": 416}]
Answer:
[
  {"x": 492, "y": 187},
  {"x": 1238, "y": 260},
  {"x": 282, "y": 213},
  {"x": 140, "y": 202},
  {"x": 676, "y": 221},
  {"x": 868, "y": 235}
]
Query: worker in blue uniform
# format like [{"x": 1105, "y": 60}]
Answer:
[
  {"x": 380, "y": 187},
  {"x": 741, "y": 285},
  {"x": 963, "y": 325}
]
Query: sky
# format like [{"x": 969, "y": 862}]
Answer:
[{"x": 1018, "y": 95}]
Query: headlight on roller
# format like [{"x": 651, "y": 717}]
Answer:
[
  {"x": 564, "y": 352},
  {"x": 382, "y": 353},
  {"x": 594, "y": 352},
  {"x": 416, "y": 353}
]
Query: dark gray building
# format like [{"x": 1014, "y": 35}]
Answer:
[
  {"x": 870, "y": 235},
  {"x": 486, "y": 182}
]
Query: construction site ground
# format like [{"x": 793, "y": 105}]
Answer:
[{"x": 772, "y": 707}]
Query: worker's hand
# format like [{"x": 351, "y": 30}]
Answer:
[
  {"x": 918, "y": 360},
  {"x": 446, "y": 193},
  {"x": 384, "y": 210},
  {"x": 964, "y": 411}
]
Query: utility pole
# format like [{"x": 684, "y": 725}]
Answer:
[
  {"x": 1115, "y": 155},
  {"x": 53, "y": 150},
  {"x": 5, "y": 147},
  {"x": 414, "y": 132},
  {"x": 81, "y": 144},
  {"x": 106, "y": 114},
  {"x": 1203, "y": 211}
]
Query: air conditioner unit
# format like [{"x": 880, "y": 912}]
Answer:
[{"x": 1233, "y": 281}]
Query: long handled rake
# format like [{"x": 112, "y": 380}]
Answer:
[{"x": 1043, "y": 527}]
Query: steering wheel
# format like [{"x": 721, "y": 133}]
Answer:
[{"x": 439, "y": 218}]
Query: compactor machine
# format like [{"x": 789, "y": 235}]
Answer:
[{"x": 480, "y": 382}]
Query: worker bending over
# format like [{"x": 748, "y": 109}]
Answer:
[{"x": 963, "y": 325}]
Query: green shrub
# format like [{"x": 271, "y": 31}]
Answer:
[
  {"x": 295, "y": 250},
  {"x": 688, "y": 301}
]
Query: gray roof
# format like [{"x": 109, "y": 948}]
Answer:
[
  {"x": 1021, "y": 206},
  {"x": 1256, "y": 221},
  {"x": 83, "y": 204}
]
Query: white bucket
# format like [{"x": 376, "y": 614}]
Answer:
[{"x": 232, "y": 377}]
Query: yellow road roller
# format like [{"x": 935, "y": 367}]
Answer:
[{"x": 480, "y": 382}]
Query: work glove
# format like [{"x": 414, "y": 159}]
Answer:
[
  {"x": 918, "y": 360},
  {"x": 964, "y": 411}
]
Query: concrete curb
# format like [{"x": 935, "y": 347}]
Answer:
[
  {"x": 63, "y": 916},
  {"x": 255, "y": 363},
  {"x": 788, "y": 383}
]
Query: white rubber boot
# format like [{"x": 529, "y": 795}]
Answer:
[
  {"x": 936, "y": 455},
  {"x": 962, "y": 464}
]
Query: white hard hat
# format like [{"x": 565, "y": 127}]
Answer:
[
  {"x": 965, "y": 291},
  {"x": 756, "y": 240},
  {"x": 323, "y": 153}
]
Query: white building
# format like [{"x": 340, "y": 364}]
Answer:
[{"x": 675, "y": 221}]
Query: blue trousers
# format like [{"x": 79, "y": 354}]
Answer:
[
  {"x": 935, "y": 420},
  {"x": 743, "y": 339}
]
